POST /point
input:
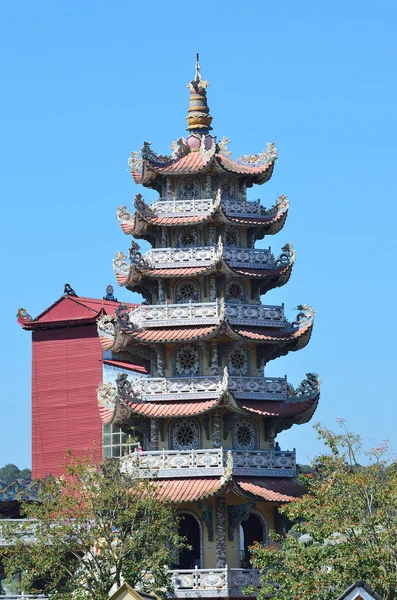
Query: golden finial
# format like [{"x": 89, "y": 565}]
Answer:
[{"x": 198, "y": 119}]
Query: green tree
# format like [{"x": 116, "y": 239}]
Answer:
[
  {"x": 92, "y": 529},
  {"x": 10, "y": 473},
  {"x": 349, "y": 521}
]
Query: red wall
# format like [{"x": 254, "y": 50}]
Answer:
[{"x": 66, "y": 370}]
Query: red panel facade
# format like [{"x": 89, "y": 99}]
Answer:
[{"x": 67, "y": 368}]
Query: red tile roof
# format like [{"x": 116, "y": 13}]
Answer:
[
  {"x": 167, "y": 334},
  {"x": 230, "y": 165},
  {"x": 264, "y": 334},
  {"x": 276, "y": 489},
  {"x": 72, "y": 309},
  {"x": 191, "y": 163},
  {"x": 176, "y": 272},
  {"x": 189, "y": 489},
  {"x": 125, "y": 365},
  {"x": 172, "y": 409},
  {"x": 277, "y": 408}
]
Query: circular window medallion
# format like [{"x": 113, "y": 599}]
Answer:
[
  {"x": 244, "y": 435},
  {"x": 187, "y": 238},
  {"x": 235, "y": 293},
  {"x": 187, "y": 361},
  {"x": 185, "y": 435},
  {"x": 187, "y": 291},
  {"x": 238, "y": 362},
  {"x": 232, "y": 237}
]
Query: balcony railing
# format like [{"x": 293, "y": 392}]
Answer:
[
  {"x": 198, "y": 583},
  {"x": 207, "y": 313},
  {"x": 165, "y": 258},
  {"x": 174, "y": 207},
  {"x": 210, "y": 462},
  {"x": 197, "y": 388}
]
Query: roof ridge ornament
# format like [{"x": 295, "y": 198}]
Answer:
[{"x": 198, "y": 119}]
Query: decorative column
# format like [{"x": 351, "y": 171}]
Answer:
[
  {"x": 168, "y": 188},
  {"x": 160, "y": 362},
  {"x": 164, "y": 237},
  {"x": 214, "y": 358},
  {"x": 211, "y": 234},
  {"x": 212, "y": 288},
  {"x": 154, "y": 435},
  {"x": 161, "y": 292},
  {"x": 208, "y": 187},
  {"x": 220, "y": 509},
  {"x": 243, "y": 190},
  {"x": 216, "y": 430}
]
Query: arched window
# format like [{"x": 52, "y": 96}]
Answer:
[
  {"x": 245, "y": 435},
  {"x": 187, "y": 290},
  {"x": 186, "y": 361},
  {"x": 228, "y": 186},
  {"x": 236, "y": 292},
  {"x": 184, "y": 434},
  {"x": 254, "y": 529},
  {"x": 232, "y": 237},
  {"x": 191, "y": 529},
  {"x": 187, "y": 237},
  {"x": 189, "y": 187},
  {"x": 238, "y": 361}
]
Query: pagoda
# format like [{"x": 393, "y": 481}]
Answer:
[{"x": 207, "y": 413}]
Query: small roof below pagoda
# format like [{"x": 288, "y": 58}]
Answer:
[{"x": 68, "y": 310}]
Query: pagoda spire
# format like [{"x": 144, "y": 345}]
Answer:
[{"x": 198, "y": 119}]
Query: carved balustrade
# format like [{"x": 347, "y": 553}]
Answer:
[
  {"x": 206, "y": 313},
  {"x": 198, "y": 583},
  {"x": 202, "y": 387},
  {"x": 209, "y": 462},
  {"x": 165, "y": 258},
  {"x": 255, "y": 258},
  {"x": 171, "y": 207}
]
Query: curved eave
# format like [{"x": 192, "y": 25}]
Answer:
[
  {"x": 268, "y": 278},
  {"x": 271, "y": 489},
  {"x": 302, "y": 410},
  {"x": 265, "y": 225},
  {"x": 195, "y": 163},
  {"x": 163, "y": 335},
  {"x": 298, "y": 338},
  {"x": 190, "y": 489},
  {"x": 163, "y": 410}
]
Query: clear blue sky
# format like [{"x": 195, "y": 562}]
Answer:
[{"x": 84, "y": 83}]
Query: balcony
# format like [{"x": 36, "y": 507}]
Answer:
[
  {"x": 201, "y": 256},
  {"x": 155, "y": 389},
  {"x": 207, "y": 313},
  {"x": 210, "y": 463},
  {"x": 210, "y": 583}
]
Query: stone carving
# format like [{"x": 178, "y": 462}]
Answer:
[
  {"x": 179, "y": 148},
  {"x": 120, "y": 264},
  {"x": 133, "y": 253},
  {"x": 154, "y": 435},
  {"x": 235, "y": 515},
  {"x": 123, "y": 214},
  {"x": 106, "y": 326},
  {"x": 258, "y": 160},
  {"x": 206, "y": 515},
  {"x": 110, "y": 294},
  {"x": 212, "y": 289},
  {"x": 23, "y": 315},
  {"x": 189, "y": 187},
  {"x": 210, "y": 583},
  {"x": 232, "y": 236},
  {"x": 222, "y": 146},
  {"x": 107, "y": 395},
  {"x": 68, "y": 290},
  {"x": 122, "y": 315},
  {"x": 305, "y": 316},
  {"x": 187, "y": 290},
  {"x": 287, "y": 255},
  {"x": 148, "y": 154},
  {"x": 186, "y": 361},
  {"x": 135, "y": 162},
  {"x": 245, "y": 434},
  {"x": 220, "y": 511},
  {"x": 309, "y": 388},
  {"x": 187, "y": 237},
  {"x": 235, "y": 292},
  {"x": 216, "y": 430},
  {"x": 185, "y": 434},
  {"x": 228, "y": 188},
  {"x": 238, "y": 362}
]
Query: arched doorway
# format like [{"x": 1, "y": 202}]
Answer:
[
  {"x": 189, "y": 528},
  {"x": 252, "y": 530}
]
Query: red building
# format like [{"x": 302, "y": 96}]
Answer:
[{"x": 67, "y": 366}]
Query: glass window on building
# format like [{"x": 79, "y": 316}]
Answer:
[{"x": 115, "y": 443}]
